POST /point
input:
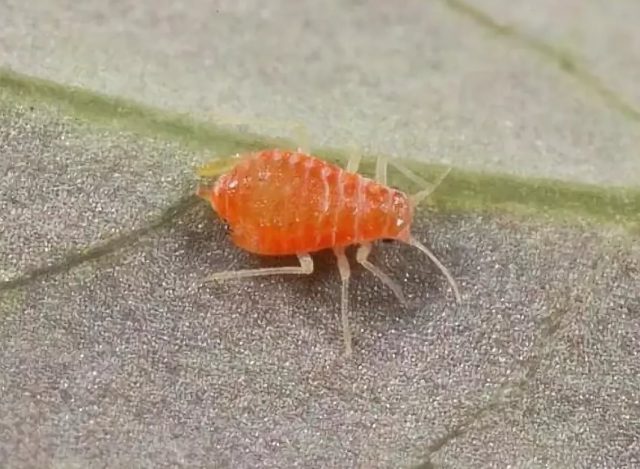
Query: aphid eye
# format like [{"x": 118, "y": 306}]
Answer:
[
  {"x": 227, "y": 227},
  {"x": 388, "y": 240}
]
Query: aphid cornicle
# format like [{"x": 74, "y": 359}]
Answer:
[{"x": 279, "y": 203}]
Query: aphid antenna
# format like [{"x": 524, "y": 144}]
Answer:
[
  {"x": 454, "y": 286},
  {"x": 419, "y": 196},
  {"x": 415, "y": 200}
]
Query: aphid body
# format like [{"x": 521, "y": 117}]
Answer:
[
  {"x": 279, "y": 203},
  {"x": 284, "y": 203}
]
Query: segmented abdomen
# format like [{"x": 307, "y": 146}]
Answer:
[{"x": 279, "y": 203}]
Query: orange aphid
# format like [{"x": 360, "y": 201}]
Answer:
[{"x": 289, "y": 203}]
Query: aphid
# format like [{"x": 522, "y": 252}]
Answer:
[{"x": 279, "y": 203}]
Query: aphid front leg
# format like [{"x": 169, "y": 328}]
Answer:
[
  {"x": 305, "y": 268},
  {"x": 345, "y": 274},
  {"x": 362, "y": 257}
]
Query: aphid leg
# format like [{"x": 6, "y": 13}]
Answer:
[
  {"x": 305, "y": 267},
  {"x": 417, "y": 244},
  {"x": 381, "y": 170},
  {"x": 302, "y": 138},
  {"x": 362, "y": 257},
  {"x": 345, "y": 273},
  {"x": 354, "y": 160}
]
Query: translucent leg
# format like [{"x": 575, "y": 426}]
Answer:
[
  {"x": 345, "y": 273},
  {"x": 381, "y": 170},
  {"x": 354, "y": 160},
  {"x": 302, "y": 138},
  {"x": 362, "y": 255},
  {"x": 381, "y": 165},
  {"x": 305, "y": 268}
]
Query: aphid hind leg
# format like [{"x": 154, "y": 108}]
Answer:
[
  {"x": 305, "y": 268},
  {"x": 362, "y": 257},
  {"x": 345, "y": 274}
]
